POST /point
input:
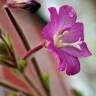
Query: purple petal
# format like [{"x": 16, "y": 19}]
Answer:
[
  {"x": 67, "y": 16},
  {"x": 53, "y": 15},
  {"x": 74, "y": 33},
  {"x": 67, "y": 62},
  {"x": 62, "y": 60},
  {"x": 51, "y": 28},
  {"x": 62, "y": 66},
  {"x": 48, "y": 32},
  {"x": 60, "y": 55},
  {"x": 84, "y": 52},
  {"x": 73, "y": 64}
]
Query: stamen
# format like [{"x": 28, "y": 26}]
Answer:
[
  {"x": 59, "y": 43},
  {"x": 63, "y": 33},
  {"x": 57, "y": 39},
  {"x": 75, "y": 44}
]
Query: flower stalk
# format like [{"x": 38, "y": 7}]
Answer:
[{"x": 34, "y": 50}]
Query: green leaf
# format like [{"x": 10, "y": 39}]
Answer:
[
  {"x": 3, "y": 57},
  {"x": 8, "y": 40},
  {"x": 3, "y": 49},
  {"x": 22, "y": 65}
]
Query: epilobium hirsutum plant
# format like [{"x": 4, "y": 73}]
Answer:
[
  {"x": 65, "y": 37},
  {"x": 30, "y": 5}
]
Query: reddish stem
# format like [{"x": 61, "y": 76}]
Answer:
[{"x": 32, "y": 51}]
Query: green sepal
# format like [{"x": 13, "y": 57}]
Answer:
[{"x": 22, "y": 65}]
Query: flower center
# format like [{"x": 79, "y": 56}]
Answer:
[{"x": 60, "y": 44}]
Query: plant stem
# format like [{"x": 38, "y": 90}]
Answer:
[
  {"x": 26, "y": 44},
  {"x": 5, "y": 85},
  {"x": 30, "y": 52}
]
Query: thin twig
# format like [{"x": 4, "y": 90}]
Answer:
[{"x": 32, "y": 51}]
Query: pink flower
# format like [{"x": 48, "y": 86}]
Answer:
[{"x": 65, "y": 37}]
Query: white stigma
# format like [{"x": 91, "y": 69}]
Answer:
[{"x": 60, "y": 44}]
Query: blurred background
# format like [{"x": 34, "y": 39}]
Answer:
[{"x": 32, "y": 24}]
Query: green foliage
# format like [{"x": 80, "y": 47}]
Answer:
[
  {"x": 8, "y": 41},
  {"x": 6, "y": 50},
  {"x": 3, "y": 49},
  {"x": 3, "y": 57},
  {"x": 22, "y": 65},
  {"x": 5, "y": 42}
]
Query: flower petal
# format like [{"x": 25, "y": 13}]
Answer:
[
  {"x": 84, "y": 52},
  {"x": 60, "y": 55},
  {"x": 53, "y": 15},
  {"x": 74, "y": 34},
  {"x": 67, "y": 16},
  {"x": 48, "y": 32},
  {"x": 62, "y": 66},
  {"x": 62, "y": 61},
  {"x": 67, "y": 62},
  {"x": 73, "y": 64},
  {"x": 51, "y": 28}
]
